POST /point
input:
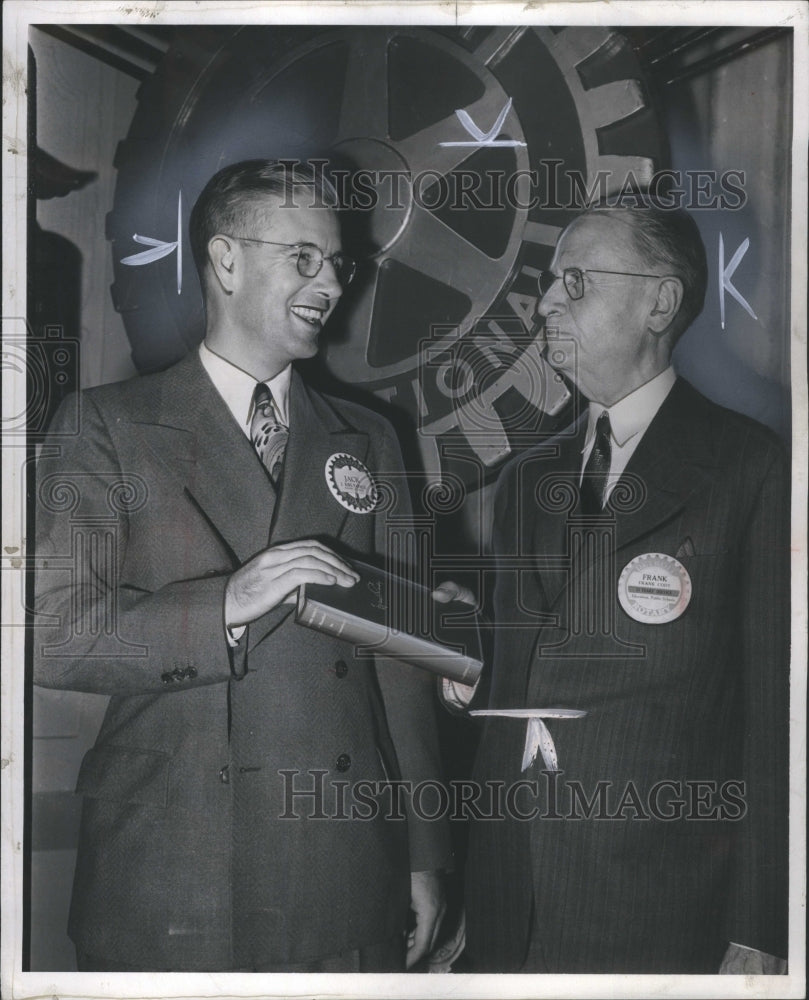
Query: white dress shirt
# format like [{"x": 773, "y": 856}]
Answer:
[
  {"x": 629, "y": 420},
  {"x": 236, "y": 387}
]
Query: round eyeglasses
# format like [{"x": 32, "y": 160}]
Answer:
[
  {"x": 310, "y": 257},
  {"x": 573, "y": 279}
]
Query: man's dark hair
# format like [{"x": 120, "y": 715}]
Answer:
[
  {"x": 670, "y": 243},
  {"x": 227, "y": 202}
]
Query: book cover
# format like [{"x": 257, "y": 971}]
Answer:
[{"x": 387, "y": 615}]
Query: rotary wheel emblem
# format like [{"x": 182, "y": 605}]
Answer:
[{"x": 439, "y": 321}]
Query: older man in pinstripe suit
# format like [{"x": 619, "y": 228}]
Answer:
[{"x": 642, "y": 605}]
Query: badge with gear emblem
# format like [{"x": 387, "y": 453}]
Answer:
[
  {"x": 350, "y": 483},
  {"x": 654, "y": 588}
]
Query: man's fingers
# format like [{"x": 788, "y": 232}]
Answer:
[
  {"x": 287, "y": 583},
  {"x": 306, "y": 560},
  {"x": 417, "y": 944},
  {"x": 274, "y": 575},
  {"x": 293, "y": 577},
  {"x": 451, "y": 591},
  {"x": 428, "y": 905},
  {"x": 421, "y": 940},
  {"x": 437, "y": 927}
]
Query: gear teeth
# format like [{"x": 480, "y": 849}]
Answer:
[
  {"x": 612, "y": 102},
  {"x": 619, "y": 166},
  {"x": 497, "y": 45},
  {"x": 540, "y": 232},
  {"x": 599, "y": 106},
  {"x": 573, "y": 45}
]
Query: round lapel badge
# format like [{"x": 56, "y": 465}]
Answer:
[
  {"x": 654, "y": 588},
  {"x": 350, "y": 483}
]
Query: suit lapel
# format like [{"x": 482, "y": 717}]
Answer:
[
  {"x": 550, "y": 527},
  {"x": 197, "y": 439},
  {"x": 306, "y": 507},
  {"x": 672, "y": 461}
]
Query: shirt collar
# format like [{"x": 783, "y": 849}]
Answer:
[
  {"x": 236, "y": 387},
  {"x": 632, "y": 414}
]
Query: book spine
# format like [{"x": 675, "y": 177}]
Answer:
[
  {"x": 348, "y": 629},
  {"x": 396, "y": 645}
]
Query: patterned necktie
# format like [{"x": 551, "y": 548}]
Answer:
[
  {"x": 594, "y": 480},
  {"x": 268, "y": 434}
]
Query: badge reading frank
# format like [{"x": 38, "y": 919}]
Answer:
[
  {"x": 351, "y": 484},
  {"x": 654, "y": 588}
]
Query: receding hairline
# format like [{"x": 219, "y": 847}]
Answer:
[
  {"x": 623, "y": 216},
  {"x": 267, "y": 206},
  {"x": 268, "y": 203},
  {"x": 609, "y": 216}
]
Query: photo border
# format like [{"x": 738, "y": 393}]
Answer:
[{"x": 17, "y": 16}]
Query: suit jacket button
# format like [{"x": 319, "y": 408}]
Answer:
[
  {"x": 341, "y": 668},
  {"x": 191, "y": 672},
  {"x": 343, "y": 762},
  {"x": 167, "y": 678},
  {"x": 224, "y": 775}
]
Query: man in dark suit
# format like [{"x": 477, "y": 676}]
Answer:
[
  {"x": 216, "y": 830},
  {"x": 642, "y": 641}
]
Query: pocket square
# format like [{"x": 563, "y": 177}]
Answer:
[{"x": 686, "y": 548}]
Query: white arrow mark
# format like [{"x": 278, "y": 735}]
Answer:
[
  {"x": 484, "y": 138},
  {"x": 161, "y": 248},
  {"x": 726, "y": 273}
]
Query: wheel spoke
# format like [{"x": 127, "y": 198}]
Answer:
[
  {"x": 440, "y": 253},
  {"x": 364, "y": 106},
  {"x": 498, "y": 44},
  {"x": 422, "y": 151}
]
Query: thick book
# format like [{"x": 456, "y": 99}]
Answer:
[{"x": 390, "y": 616}]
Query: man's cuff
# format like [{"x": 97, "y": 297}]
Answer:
[
  {"x": 237, "y": 649},
  {"x": 233, "y": 634},
  {"x": 456, "y": 696}
]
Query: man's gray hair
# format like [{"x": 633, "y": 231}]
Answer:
[{"x": 670, "y": 244}]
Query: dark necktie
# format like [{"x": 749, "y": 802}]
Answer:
[
  {"x": 268, "y": 434},
  {"x": 597, "y": 469}
]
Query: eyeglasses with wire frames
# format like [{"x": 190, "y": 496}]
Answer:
[
  {"x": 573, "y": 279},
  {"x": 310, "y": 257}
]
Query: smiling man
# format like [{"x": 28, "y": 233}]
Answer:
[
  {"x": 638, "y": 710},
  {"x": 215, "y": 832}
]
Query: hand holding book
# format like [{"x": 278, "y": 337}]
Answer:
[{"x": 389, "y": 616}]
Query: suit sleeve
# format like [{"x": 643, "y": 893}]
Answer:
[
  {"x": 504, "y": 542},
  {"x": 92, "y": 631},
  {"x": 757, "y": 916},
  {"x": 410, "y": 703}
]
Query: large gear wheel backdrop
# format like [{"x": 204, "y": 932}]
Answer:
[{"x": 438, "y": 321}]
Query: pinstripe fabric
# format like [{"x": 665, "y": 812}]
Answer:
[{"x": 702, "y": 698}]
